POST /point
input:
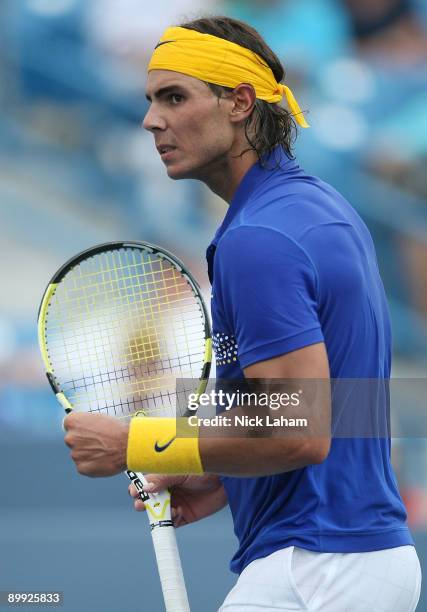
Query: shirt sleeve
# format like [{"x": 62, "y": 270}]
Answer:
[{"x": 268, "y": 288}]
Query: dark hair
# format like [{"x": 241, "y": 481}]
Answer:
[{"x": 269, "y": 125}]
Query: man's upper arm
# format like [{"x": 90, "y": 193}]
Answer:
[
  {"x": 268, "y": 288},
  {"x": 310, "y": 363}
]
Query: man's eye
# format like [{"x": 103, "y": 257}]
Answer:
[{"x": 175, "y": 98}]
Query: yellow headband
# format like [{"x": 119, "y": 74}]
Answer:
[{"x": 219, "y": 61}]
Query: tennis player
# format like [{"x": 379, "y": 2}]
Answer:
[{"x": 296, "y": 295}]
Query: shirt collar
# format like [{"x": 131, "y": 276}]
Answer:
[{"x": 276, "y": 161}]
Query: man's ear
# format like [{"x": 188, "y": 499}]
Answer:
[{"x": 244, "y": 98}]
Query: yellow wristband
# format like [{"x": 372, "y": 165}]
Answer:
[{"x": 163, "y": 446}]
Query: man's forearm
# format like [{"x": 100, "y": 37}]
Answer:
[
  {"x": 257, "y": 441},
  {"x": 260, "y": 456},
  {"x": 236, "y": 444}
]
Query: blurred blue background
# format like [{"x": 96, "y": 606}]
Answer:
[{"x": 76, "y": 169}]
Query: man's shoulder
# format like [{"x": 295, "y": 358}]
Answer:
[
  {"x": 259, "y": 247},
  {"x": 305, "y": 223},
  {"x": 297, "y": 205},
  {"x": 281, "y": 189}
]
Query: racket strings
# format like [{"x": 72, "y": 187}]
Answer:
[
  {"x": 134, "y": 386},
  {"x": 125, "y": 325}
]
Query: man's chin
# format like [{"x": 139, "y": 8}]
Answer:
[{"x": 175, "y": 173}]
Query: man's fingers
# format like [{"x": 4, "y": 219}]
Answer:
[
  {"x": 157, "y": 483},
  {"x": 67, "y": 421},
  {"x": 70, "y": 420},
  {"x": 139, "y": 505},
  {"x": 133, "y": 491},
  {"x": 178, "y": 517}
]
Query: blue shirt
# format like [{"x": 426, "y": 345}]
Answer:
[{"x": 292, "y": 265}]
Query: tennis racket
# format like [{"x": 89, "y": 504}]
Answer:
[{"x": 118, "y": 325}]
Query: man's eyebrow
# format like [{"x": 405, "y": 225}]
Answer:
[{"x": 163, "y": 91}]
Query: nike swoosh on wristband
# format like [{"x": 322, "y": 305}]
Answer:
[{"x": 160, "y": 449}]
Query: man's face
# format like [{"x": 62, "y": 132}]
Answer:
[{"x": 191, "y": 126}]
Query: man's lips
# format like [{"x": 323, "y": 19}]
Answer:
[{"x": 165, "y": 150}]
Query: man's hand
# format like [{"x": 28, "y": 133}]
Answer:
[
  {"x": 98, "y": 443},
  {"x": 192, "y": 497}
]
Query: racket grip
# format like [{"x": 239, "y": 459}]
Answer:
[{"x": 170, "y": 569}]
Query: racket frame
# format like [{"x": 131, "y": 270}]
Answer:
[{"x": 158, "y": 505}]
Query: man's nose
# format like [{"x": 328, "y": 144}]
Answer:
[{"x": 153, "y": 120}]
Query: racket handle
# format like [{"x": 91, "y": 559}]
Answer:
[
  {"x": 170, "y": 569},
  {"x": 165, "y": 546}
]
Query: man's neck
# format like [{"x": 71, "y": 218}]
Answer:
[{"x": 227, "y": 176}]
